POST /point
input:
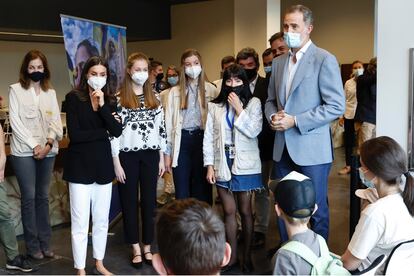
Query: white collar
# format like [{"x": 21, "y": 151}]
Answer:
[
  {"x": 301, "y": 50},
  {"x": 252, "y": 84}
]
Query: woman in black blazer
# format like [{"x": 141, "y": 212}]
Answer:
[{"x": 88, "y": 165}]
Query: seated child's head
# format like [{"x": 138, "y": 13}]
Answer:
[
  {"x": 191, "y": 239},
  {"x": 295, "y": 198}
]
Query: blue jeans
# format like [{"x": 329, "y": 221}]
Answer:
[
  {"x": 33, "y": 177},
  {"x": 319, "y": 175},
  {"x": 190, "y": 174}
]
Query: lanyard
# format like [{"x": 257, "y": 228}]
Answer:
[{"x": 229, "y": 123}]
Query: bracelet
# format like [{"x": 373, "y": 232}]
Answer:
[{"x": 49, "y": 144}]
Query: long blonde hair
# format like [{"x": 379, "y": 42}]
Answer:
[
  {"x": 127, "y": 96},
  {"x": 183, "y": 79}
]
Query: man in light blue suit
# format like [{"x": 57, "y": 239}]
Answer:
[{"x": 305, "y": 95}]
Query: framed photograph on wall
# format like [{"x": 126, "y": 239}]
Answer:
[{"x": 410, "y": 146}]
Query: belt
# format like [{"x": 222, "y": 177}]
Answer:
[{"x": 192, "y": 131}]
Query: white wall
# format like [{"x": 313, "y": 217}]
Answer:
[
  {"x": 344, "y": 28},
  {"x": 273, "y": 18},
  {"x": 395, "y": 20},
  {"x": 250, "y": 25}
]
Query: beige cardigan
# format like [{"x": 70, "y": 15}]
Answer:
[
  {"x": 174, "y": 118},
  {"x": 32, "y": 125}
]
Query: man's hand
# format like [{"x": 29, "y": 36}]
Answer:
[{"x": 282, "y": 121}]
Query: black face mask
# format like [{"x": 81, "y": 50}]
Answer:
[
  {"x": 236, "y": 89},
  {"x": 160, "y": 76},
  {"x": 37, "y": 76},
  {"x": 251, "y": 73}
]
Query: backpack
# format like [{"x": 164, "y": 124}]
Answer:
[{"x": 326, "y": 264}]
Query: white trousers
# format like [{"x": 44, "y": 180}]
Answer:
[{"x": 83, "y": 197}]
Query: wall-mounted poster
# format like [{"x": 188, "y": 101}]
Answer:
[{"x": 86, "y": 38}]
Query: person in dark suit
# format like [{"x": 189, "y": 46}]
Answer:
[
  {"x": 249, "y": 60},
  {"x": 88, "y": 165},
  {"x": 305, "y": 95},
  {"x": 366, "y": 111}
]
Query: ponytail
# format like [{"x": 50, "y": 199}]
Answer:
[{"x": 408, "y": 193}]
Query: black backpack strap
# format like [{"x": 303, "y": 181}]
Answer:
[{"x": 392, "y": 252}]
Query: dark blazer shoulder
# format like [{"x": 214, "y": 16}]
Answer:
[
  {"x": 72, "y": 96},
  {"x": 260, "y": 80},
  {"x": 260, "y": 89}
]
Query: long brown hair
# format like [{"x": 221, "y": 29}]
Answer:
[
  {"x": 385, "y": 158},
  {"x": 127, "y": 96},
  {"x": 83, "y": 88},
  {"x": 24, "y": 75},
  {"x": 183, "y": 79}
]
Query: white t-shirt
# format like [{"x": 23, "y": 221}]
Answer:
[{"x": 383, "y": 224}]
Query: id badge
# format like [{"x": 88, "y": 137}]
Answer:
[{"x": 232, "y": 152}]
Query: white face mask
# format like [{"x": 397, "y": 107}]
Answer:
[
  {"x": 193, "y": 71},
  {"x": 292, "y": 40},
  {"x": 140, "y": 77},
  {"x": 364, "y": 180},
  {"x": 97, "y": 83},
  {"x": 358, "y": 72}
]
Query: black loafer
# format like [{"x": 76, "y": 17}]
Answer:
[
  {"x": 147, "y": 261},
  {"x": 136, "y": 265}
]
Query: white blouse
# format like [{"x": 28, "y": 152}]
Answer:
[{"x": 143, "y": 129}]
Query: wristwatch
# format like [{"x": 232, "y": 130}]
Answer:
[{"x": 49, "y": 144}]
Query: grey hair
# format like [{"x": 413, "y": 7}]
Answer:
[{"x": 307, "y": 13}]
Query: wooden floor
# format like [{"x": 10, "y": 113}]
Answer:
[{"x": 118, "y": 254}]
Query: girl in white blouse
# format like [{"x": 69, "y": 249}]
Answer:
[{"x": 138, "y": 155}]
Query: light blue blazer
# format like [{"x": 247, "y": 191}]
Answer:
[{"x": 316, "y": 98}]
